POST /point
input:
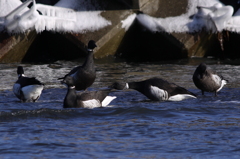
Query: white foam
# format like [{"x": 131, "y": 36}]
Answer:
[{"x": 233, "y": 101}]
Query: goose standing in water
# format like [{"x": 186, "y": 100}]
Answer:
[
  {"x": 27, "y": 89},
  {"x": 84, "y": 76},
  {"x": 207, "y": 80},
  {"x": 91, "y": 99},
  {"x": 157, "y": 89}
]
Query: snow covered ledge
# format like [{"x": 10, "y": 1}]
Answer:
[
  {"x": 191, "y": 33},
  {"x": 113, "y": 23},
  {"x": 79, "y": 26}
]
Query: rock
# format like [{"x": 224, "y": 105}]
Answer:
[
  {"x": 134, "y": 44},
  {"x": 14, "y": 47}
]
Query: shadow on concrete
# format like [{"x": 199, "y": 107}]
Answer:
[
  {"x": 50, "y": 47},
  {"x": 231, "y": 45},
  {"x": 141, "y": 45}
]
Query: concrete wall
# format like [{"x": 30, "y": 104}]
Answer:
[{"x": 114, "y": 40}]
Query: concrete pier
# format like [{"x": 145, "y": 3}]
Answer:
[{"x": 114, "y": 40}]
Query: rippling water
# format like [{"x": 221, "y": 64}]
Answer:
[{"x": 131, "y": 127}]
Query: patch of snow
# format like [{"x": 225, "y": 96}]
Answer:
[
  {"x": 6, "y": 6},
  {"x": 59, "y": 19},
  {"x": 208, "y": 14},
  {"x": 126, "y": 23},
  {"x": 80, "y": 16}
]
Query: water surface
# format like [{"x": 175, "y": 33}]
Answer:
[{"x": 131, "y": 127}]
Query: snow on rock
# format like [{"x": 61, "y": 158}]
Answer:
[
  {"x": 233, "y": 24},
  {"x": 52, "y": 18},
  {"x": 126, "y": 23},
  {"x": 208, "y": 14},
  {"x": 80, "y": 16},
  {"x": 6, "y": 6},
  {"x": 67, "y": 20}
]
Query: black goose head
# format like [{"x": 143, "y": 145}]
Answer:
[
  {"x": 91, "y": 45},
  {"x": 118, "y": 86},
  {"x": 20, "y": 71},
  {"x": 202, "y": 68}
]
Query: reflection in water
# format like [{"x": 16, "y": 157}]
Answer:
[{"x": 132, "y": 127}]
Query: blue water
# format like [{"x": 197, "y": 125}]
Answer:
[{"x": 131, "y": 127}]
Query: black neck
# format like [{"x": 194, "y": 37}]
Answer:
[
  {"x": 139, "y": 86},
  {"x": 70, "y": 100},
  {"x": 133, "y": 85},
  {"x": 89, "y": 62},
  {"x": 20, "y": 75}
]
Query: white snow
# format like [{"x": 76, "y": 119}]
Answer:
[
  {"x": 6, "y": 6},
  {"x": 126, "y": 23},
  {"x": 211, "y": 15},
  {"x": 54, "y": 18},
  {"x": 80, "y": 16},
  {"x": 67, "y": 20}
]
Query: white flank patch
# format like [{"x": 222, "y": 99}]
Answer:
[
  {"x": 16, "y": 89},
  {"x": 108, "y": 100},
  {"x": 216, "y": 79},
  {"x": 180, "y": 97},
  {"x": 160, "y": 94},
  {"x": 90, "y": 104},
  {"x": 222, "y": 84},
  {"x": 126, "y": 23},
  {"x": 219, "y": 81},
  {"x": 32, "y": 92}
]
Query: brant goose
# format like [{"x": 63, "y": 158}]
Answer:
[
  {"x": 90, "y": 100},
  {"x": 207, "y": 80},
  {"x": 84, "y": 76},
  {"x": 157, "y": 89},
  {"x": 27, "y": 89}
]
